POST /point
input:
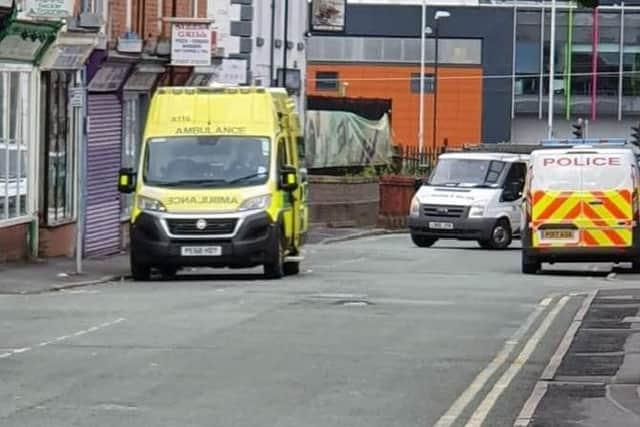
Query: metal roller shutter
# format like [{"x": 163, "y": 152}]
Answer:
[{"x": 103, "y": 163}]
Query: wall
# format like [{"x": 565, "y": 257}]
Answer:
[
  {"x": 396, "y": 193},
  {"x": 343, "y": 201},
  {"x": 296, "y": 58},
  {"x": 57, "y": 241},
  {"x": 493, "y": 25},
  {"x": 459, "y": 99},
  {"x": 13, "y": 243},
  {"x": 149, "y": 27}
]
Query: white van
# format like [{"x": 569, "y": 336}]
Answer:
[{"x": 470, "y": 196}]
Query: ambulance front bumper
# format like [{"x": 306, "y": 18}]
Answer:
[{"x": 250, "y": 244}]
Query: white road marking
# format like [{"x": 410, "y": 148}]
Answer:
[
  {"x": 62, "y": 338},
  {"x": 458, "y": 407},
  {"x": 481, "y": 413}
]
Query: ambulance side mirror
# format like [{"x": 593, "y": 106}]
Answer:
[
  {"x": 127, "y": 181},
  {"x": 288, "y": 178}
]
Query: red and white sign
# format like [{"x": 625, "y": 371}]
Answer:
[
  {"x": 191, "y": 45},
  {"x": 582, "y": 161}
]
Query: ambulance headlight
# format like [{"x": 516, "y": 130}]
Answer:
[
  {"x": 414, "y": 210},
  {"x": 477, "y": 209},
  {"x": 256, "y": 203},
  {"x": 149, "y": 204}
]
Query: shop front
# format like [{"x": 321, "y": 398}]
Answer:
[
  {"x": 22, "y": 45},
  {"x": 62, "y": 103},
  {"x": 104, "y": 153}
]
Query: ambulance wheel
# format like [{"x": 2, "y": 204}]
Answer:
[
  {"x": 501, "y": 235},
  {"x": 140, "y": 272},
  {"x": 275, "y": 269},
  {"x": 291, "y": 268},
  {"x": 423, "y": 241},
  {"x": 635, "y": 267},
  {"x": 169, "y": 273},
  {"x": 530, "y": 265}
]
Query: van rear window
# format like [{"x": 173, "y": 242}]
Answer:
[{"x": 578, "y": 171}]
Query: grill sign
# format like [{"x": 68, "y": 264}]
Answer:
[{"x": 582, "y": 161}]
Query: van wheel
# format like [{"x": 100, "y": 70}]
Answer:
[
  {"x": 423, "y": 241},
  {"x": 530, "y": 265},
  {"x": 501, "y": 235},
  {"x": 140, "y": 272},
  {"x": 276, "y": 268},
  {"x": 485, "y": 244}
]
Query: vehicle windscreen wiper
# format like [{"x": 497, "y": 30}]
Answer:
[
  {"x": 198, "y": 182},
  {"x": 445, "y": 184},
  {"x": 247, "y": 177}
]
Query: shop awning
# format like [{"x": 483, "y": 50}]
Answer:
[
  {"x": 144, "y": 78},
  {"x": 69, "y": 52},
  {"x": 110, "y": 77},
  {"x": 26, "y": 41}
]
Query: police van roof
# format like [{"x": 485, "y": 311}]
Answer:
[{"x": 504, "y": 157}]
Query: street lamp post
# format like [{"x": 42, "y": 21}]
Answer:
[
  {"x": 441, "y": 14},
  {"x": 421, "y": 101}
]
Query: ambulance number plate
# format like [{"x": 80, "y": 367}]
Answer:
[{"x": 201, "y": 251}]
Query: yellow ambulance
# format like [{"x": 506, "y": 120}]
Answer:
[
  {"x": 219, "y": 183},
  {"x": 581, "y": 205}
]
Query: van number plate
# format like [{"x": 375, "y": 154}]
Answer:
[
  {"x": 201, "y": 251},
  {"x": 558, "y": 235},
  {"x": 441, "y": 225}
]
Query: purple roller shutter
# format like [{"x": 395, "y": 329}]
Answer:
[{"x": 103, "y": 163}]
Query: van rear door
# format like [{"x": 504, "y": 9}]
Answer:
[
  {"x": 583, "y": 199},
  {"x": 607, "y": 191}
]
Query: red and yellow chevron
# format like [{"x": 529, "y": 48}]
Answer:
[{"x": 599, "y": 218}]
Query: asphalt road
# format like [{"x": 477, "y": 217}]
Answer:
[{"x": 375, "y": 332}]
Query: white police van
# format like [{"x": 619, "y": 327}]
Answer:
[{"x": 470, "y": 196}]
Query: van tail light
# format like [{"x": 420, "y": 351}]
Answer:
[{"x": 529, "y": 198}]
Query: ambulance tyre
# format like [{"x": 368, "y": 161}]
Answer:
[
  {"x": 635, "y": 267},
  {"x": 530, "y": 265},
  {"x": 501, "y": 235},
  {"x": 275, "y": 269},
  {"x": 140, "y": 272},
  {"x": 291, "y": 268},
  {"x": 423, "y": 241}
]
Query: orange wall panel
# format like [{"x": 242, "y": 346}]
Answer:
[{"x": 459, "y": 99}]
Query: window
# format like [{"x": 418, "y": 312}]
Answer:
[
  {"x": 429, "y": 83},
  {"x": 631, "y": 57},
  {"x": 58, "y": 148},
  {"x": 14, "y": 169},
  {"x": 135, "y": 109},
  {"x": 327, "y": 80},
  {"x": 517, "y": 173}
]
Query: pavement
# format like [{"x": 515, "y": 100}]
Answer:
[
  {"x": 374, "y": 332},
  {"x": 54, "y": 274}
]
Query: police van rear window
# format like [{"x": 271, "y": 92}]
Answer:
[{"x": 580, "y": 172}]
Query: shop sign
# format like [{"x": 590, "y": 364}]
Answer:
[
  {"x": 76, "y": 97},
  {"x": 49, "y": 8},
  {"x": 328, "y": 15},
  {"x": 228, "y": 72},
  {"x": 191, "y": 45},
  {"x": 16, "y": 48}
]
